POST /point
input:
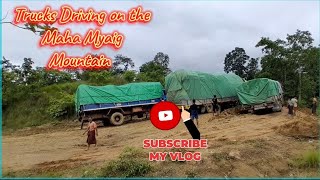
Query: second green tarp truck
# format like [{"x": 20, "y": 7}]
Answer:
[
  {"x": 184, "y": 86},
  {"x": 260, "y": 93}
]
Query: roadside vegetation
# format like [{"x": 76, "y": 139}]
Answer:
[
  {"x": 131, "y": 163},
  {"x": 33, "y": 96},
  {"x": 310, "y": 159}
]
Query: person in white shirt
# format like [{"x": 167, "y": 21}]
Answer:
[{"x": 295, "y": 105}]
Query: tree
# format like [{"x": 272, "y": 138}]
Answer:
[
  {"x": 49, "y": 77},
  {"x": 129, "y": 76},
  {"x": 155, "y": 70},
  {"x": 9, "y": 78},
  {"x": 235, "y": 62},
  {"x": 301, "y": 40},
  {"x": 121, "y": 64},
  {"x": 292, "y": 62},
  {"x": 7, "y": 65},
  {"x": 38, "y": 28},
  {"x": 275, "y": 58},
  {"x": 27, "y": 70},
  {"x": 163, "y": 60},
  {"x": 252, "y": 68},
  {"x": 151, "y": 72}
]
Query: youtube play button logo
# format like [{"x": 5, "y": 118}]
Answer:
[{"x": 165, "y": 115}]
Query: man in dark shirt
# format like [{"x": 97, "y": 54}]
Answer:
[
  {"x": 194, "y": 111},
  {"x": 214, "y": 104}
]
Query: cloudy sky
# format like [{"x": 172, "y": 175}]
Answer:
[{"x": 195, "y": 34}]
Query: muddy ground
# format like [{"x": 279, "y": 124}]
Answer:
[{"x": 239, "y": 146}]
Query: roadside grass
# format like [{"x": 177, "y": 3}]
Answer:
[
  {"x": 80, "y": 172},
  {"x": 38, "y": 107},
  {"x": 29, "y": 173},
  {"x": 25, "y": 115},
  {"x": 258, "y": 143},
  {"x": 52, "y": 126},
  {"x": 310, "y": 159},
  {"x": 9, "y": 174},
  {"x": 191, "y": 173},
  {"x": 132, "y": 162},
  {"x": 219, "y": 156}
]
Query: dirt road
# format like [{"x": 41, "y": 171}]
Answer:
[{"x": 260, "y": 150}]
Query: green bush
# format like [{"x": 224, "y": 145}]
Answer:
[
  {"x": 61, "y": 99},
  {"x": 310, "y": 159},
  {"x": 40, "y": 106},
  {"x": 131, "y": 163},
  {"x": 61, "y": 106}
]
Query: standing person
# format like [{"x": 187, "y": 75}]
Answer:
[
  {"x": 214, "y": 104},
  {"x": 164, "y": 96},
  {"x": 91, "y": 131},
  {"x": 295, "y": 105},
  {"x": 290, "y": 107},
  {"x": 194, "y": 112},
  {"x": 314, "y": 105}
]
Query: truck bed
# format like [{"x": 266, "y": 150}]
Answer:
[
  {"x": 93, "y": 107},
  {"x": 207, "y": 101}
]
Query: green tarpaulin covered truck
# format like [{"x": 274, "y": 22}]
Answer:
[
  {"x": 261, "y": 93},
  {"x": 183, "y": 86},
  {"x": 112, "y": 103}
]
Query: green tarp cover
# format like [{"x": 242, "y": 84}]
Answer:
[
  {"x": 116, "y": 94},
  {"x": 187, "y": 85},
  {"x": 258, "y": 91}
]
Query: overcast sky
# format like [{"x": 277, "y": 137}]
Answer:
[{"x": 195, "y": 35}]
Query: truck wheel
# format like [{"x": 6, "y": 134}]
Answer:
[
  {"x": 203, "y": 110},
  {"x": 209, "y": 108},
  {"x": 117, "y": 119}
]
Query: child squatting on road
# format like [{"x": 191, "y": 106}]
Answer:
[{"x": 92, "y": 131}]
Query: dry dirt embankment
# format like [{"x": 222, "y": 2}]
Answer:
[{"x": 239, "y": 146}]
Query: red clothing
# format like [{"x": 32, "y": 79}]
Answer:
[{"x": 91, "y": 137}]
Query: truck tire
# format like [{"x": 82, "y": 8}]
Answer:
[
  {"x": 209, "y": 108},
  {"x": 117, "y": 119}
]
